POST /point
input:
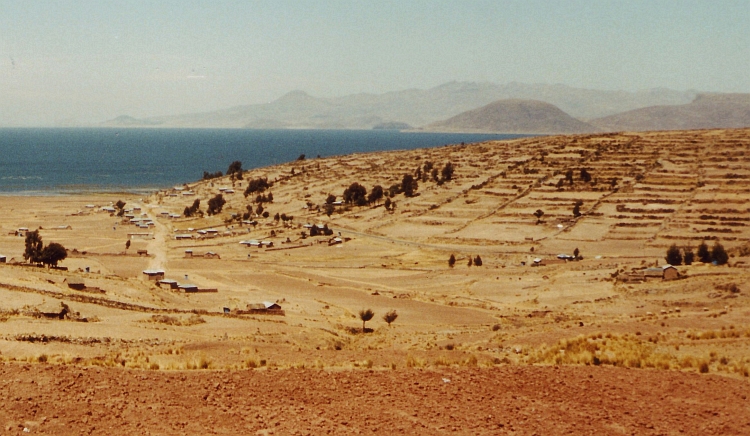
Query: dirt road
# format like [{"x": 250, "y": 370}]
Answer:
[{"x": 52, "y": 399}]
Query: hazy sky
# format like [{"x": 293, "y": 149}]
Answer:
[{"x": 88, "y": 61}]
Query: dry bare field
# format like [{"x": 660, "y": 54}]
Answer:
[{"x": 505, "y": 318}]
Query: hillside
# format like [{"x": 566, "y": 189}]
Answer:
[
  {"x": 707, "y": 111},
  {"x": 468, "y": 258},
  {"x": 514, "y": 116},
  {"x": 415, "y": 107}
]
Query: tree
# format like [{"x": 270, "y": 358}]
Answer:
[
  {"x": 451, "y": 261},
  {"x": 257, "y": 185},
  {"x": 674, "y": 256},
  {"x": 34, "y": 246},
  {"x": 53, "y": 253},
  {"x": 120, "y": 205},
  {"x": 387, "y": 204},
  {"x": 478, "y": 261},
  {"x": 375, "y": 195},
  {"x": 704, "y": 255},
  {"x": 539, "y": 214},
  {"x": 689, "y": 256},
  {"x": 127, "y": 244},
  {"x": 301, "y": 157},
  {"x": 235, "y": 168},
  {"x": 216, "y": 204},
  {"x": 585, "y": 176},
  {"x": 577, "y": 208},
  {"x": 365, "y": 315},
  {"x": 569, "y": 176},
  {"x": 470, "y": 262},
  {"x": 390, "y": 316},
  {"x": 434, "y": 174},
  {"x": 408, "y": 185},
  {"x": 447, "y": 172},
  {"x": 718, "y": 254},
  {"x": 356, "y": 194},
  {"x": 576, "y": 253},
  {"x": 330, "y": 199},
  {"x": 329, "y": 208},
  {"x": 193, "y": 209}
]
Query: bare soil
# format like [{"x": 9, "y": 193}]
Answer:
[{"x": 57, "y": 399}]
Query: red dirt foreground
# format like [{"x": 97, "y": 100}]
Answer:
[{"x": 52, "y": 399}]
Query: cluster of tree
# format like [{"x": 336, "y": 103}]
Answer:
[
  {"x": 283, "y": 217},
  {"x": 209, "y": 176},
  {"x": 477, "y": 261},
  {"x": 37, "y": 253},
  {"x": 235, "y": 170},
  {"x": 356, "y": 194},
  {"x": 194, "y": 209},
  {"x": 367, "y": 314},
  {"x": 257, "y": 185},
  {"x": 676, "y": 256},
  {"x": 315, "y": 231},
  {"x": 428, "y": 171},
  {"x": 585, "y": 176},
  {"x": 259, "y": 211},
  {"x": 216, "y": 204},
  {"x": 263, "y": 198}
]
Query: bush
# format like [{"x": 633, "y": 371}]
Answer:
[{"x": 451, "y": 261}]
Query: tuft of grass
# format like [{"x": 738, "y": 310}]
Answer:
[{"x": 414, "y": 362}]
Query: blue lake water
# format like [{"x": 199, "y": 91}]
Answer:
[{"x": 60, "y": 161}]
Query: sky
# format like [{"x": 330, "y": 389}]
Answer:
[{"x": 85, "y": 61}]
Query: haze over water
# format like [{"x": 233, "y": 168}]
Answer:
[{"x": 60, "y": 161}]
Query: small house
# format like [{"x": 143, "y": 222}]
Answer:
[
  {"x": 3, "y": 259},
  {"x": 168, "y": 284},
  {"x": 188, "y": 287},
  {"x": 183, "y": 236},
  {"x": 75, "y": 283},
  {"x": 154, "y": 274},
  {"x": 666, "y": 272},
  {"x": 188, "y": 253}
]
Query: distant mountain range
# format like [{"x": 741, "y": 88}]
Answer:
[
  {"x": 585, "y": 109},
  {"x": 414, "y": 107}
]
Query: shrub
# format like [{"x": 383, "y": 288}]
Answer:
[{"x": 451, "y": 261}]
